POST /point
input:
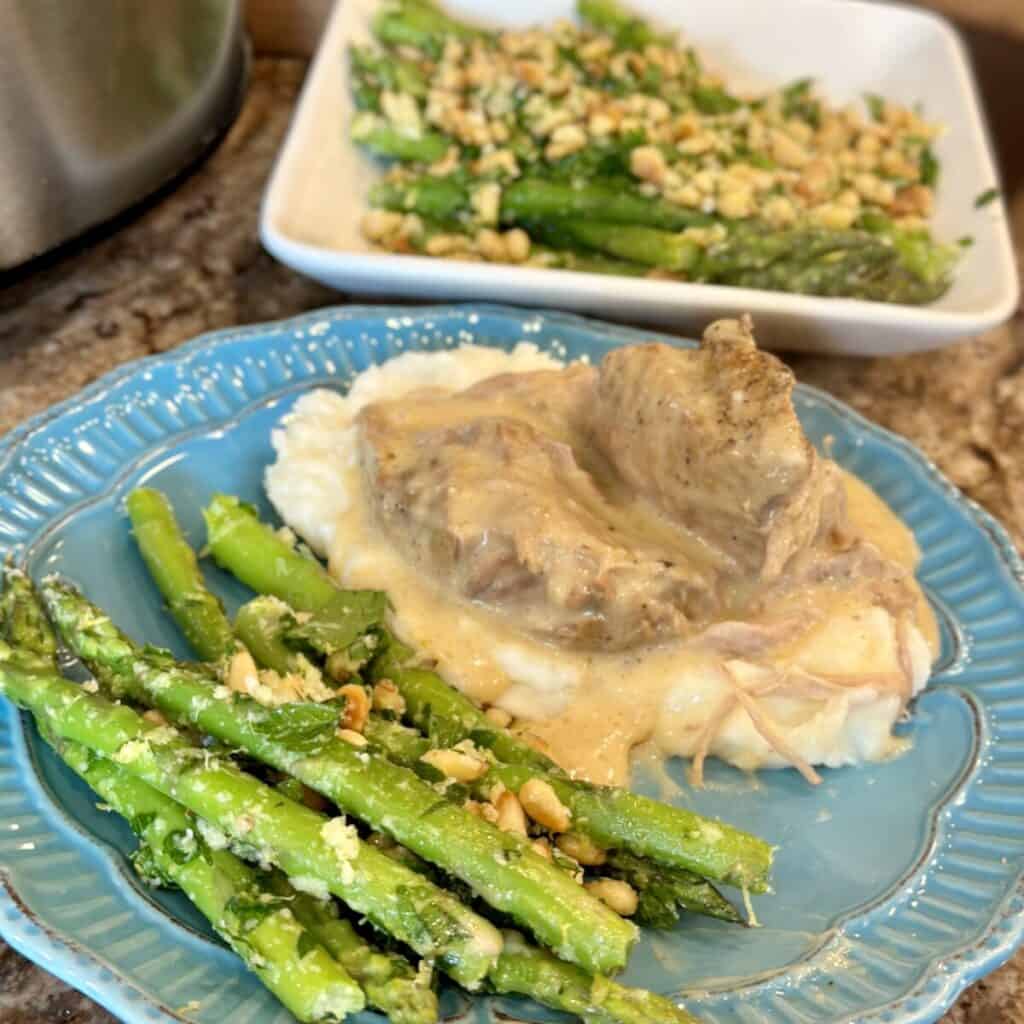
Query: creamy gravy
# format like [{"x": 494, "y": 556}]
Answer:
[
  {"x": 825, "y": 688},
  {"x": 590, "y": 710}
]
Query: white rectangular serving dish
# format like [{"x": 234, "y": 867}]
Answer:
[{"x": 316, "y": 196}]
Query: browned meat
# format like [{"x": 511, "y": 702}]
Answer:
[
  {"x": 606, "y": 508},
  {"x": 710, "y": 436},
  {"x": 503, "y": 514}
]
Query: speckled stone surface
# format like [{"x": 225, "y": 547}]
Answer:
[{"x": 193, "y": 263}]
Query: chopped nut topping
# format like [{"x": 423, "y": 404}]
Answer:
[
  {"x": 516, "y": 102},
  {"x": 914, "y": 200},
  {"x": 647, "y": 163},
  {"x": 456, "y": 764},
  {"x": 582, "y": 849},
  {"x": 357, "y": 707},
  {"x": 619, "y": 896},
  {"x": 565, "y": 140},
  {"x": 486, "y": 203},
  {"x": 542, "y": 847},
  {"x": 510, "y": 814},
  {"x": 356, "y": 739},
  {"x": 541, "y": 803},
  {"x": 387, "y": 698},
  {"x": 499, "y": 716}
]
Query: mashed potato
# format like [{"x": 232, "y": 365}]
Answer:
[{"x": 822, "y": 690}]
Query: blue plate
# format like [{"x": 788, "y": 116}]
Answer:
[{"x": 897, "y": 884}]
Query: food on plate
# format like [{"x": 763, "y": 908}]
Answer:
[
  {"x": 610, "y": 147},
  {"x": 532, "y": 568},
  {"x": 304, "y": 744},
  {"x": 614, "y": 817},
  {"x": 288, "y": 770},
  {"x": 650, "y": 550}
]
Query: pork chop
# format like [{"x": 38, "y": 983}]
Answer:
[
  {"x": 710, "y": 436},
  {"x": 502, "y": 514},
  {"x": 609, "y": 508}
]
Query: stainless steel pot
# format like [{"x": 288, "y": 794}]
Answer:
[{"x": 104, "y": 101}]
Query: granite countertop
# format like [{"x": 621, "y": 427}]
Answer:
[{"x": 193, "y": 263}]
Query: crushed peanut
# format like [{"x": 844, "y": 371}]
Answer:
[
  {"x": 387, "y": 698},
  {"x": 448, "y": 245},
  {"x": 510, "y": 814},
  {"x": 486, "y": 203},
  {"x": 357, "y": 707},
  {"x": 448, "y": 164},
  {"x": 356, "y": 739},
  {"x": 618, "y": 895},
  {"x": 490, "y": 245},
  {"x": 542, "y": 847},
  {"x": 648, "y": 164},
  {"x": 460, "y": 765},
  {"x": 498, "y": 716},
  {"x": 582, "y": 849},
  {"x": 541, "y": 803},
  {"x": 565, "y": 140}
]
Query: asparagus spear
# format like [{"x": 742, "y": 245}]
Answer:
[
  {"x": 268, "y": 939},
  {"x": 614, "y": 818},
  {"x": 173, "y": 566},
  {"x": 39, "y": 639},
  {"x": 499, "y": 867},
  {"x": 662, "y": 889},
  {"x": 527, "y": 971},
  {"x": 892, "y": 270},
  {"x": 198, "y": 612},
  {"x": 629, "y": 32},
  {"x": 375, "y": 72},
  {"x": 381, "y": 137},
  {"x": 260, "y": 626},
  {"x": 389, "y": 981},
  {"x": 420, "y": 25},
  {"x": 439, "y": 199},
  {"x": 148, "y": 753},
  {"x": 260, "y": 927},
  {"x": 346, "y": 625},
  {"x": 306, "y": 845},
  {"x": 23, "y": 621},
  {"x": 524, "y": 969},
  {"x": 650, "y": 246},
  {"x": 817, "y": 261},
  {"x": 534, "y": 198},
  {"x": 810, "y": 261},
  {"x": 240, "y": 543},
  {"x": 262, "y": 623}
]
